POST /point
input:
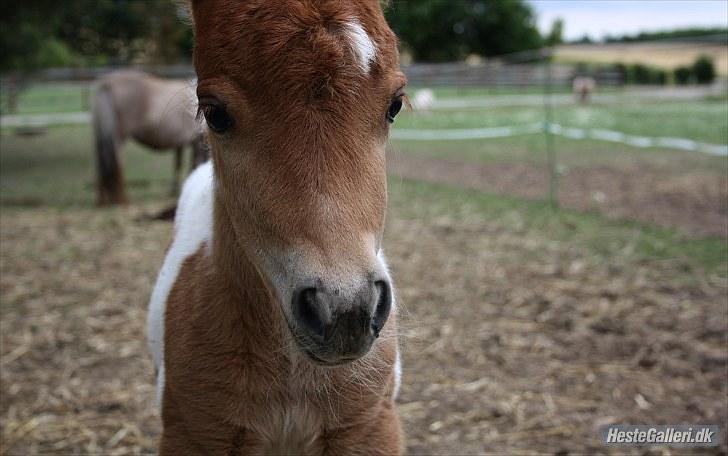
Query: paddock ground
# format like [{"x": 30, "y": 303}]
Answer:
[{"x": 524, "y": 329}]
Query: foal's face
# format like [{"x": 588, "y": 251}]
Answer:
[{"x": 299, "y": 97}]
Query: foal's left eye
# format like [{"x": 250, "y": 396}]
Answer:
[
  {"x": 217, "y": 117},
  {"x": 394, "y": 109}
]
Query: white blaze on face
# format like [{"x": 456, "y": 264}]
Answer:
[{"x": 363, "y": 46}]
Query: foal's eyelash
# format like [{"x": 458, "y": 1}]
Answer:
[
  {"x": 201, "y": 105},
  {"x": 406, "y": 101},
  {"x": 204, "y": 102}
]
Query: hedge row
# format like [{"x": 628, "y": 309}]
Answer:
[{"x": 702, "y": 71}]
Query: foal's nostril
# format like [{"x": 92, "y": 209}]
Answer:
[
  {"x": 334, "y": 328},
  {"x": 308, "y": 311},
  {"x": 384, "y": 305}
]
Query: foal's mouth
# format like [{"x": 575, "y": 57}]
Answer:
[
  {"x": 323, "y": 362},
  {"x": 314, "y": 355}
]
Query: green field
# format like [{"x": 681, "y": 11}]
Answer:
[
  {"x": 56, "y": 170},
  {"x": 51, "y": 98},
  {"x": 72, "y": 97},
  {"x": 531, "y": 149},
  {"x": 703, "y": 121}
]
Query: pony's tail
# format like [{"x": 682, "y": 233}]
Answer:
[{"x": 110, "y": 180}]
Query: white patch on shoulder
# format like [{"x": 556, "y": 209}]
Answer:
[
  {"x": 363, "y": 46},
  {"x": 397, "y": 374},
  {"x": 398, "y": 358},
  {"x": 192, "y": 227}
]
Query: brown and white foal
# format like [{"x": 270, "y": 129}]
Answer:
[{"x": 272, "y": 323}]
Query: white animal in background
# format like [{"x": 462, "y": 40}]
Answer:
[
  {"x": 583, "y": 87},
  {"x": 423, "y": 100}
]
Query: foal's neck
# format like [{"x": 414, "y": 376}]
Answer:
[{"x": 245, "y": 293}]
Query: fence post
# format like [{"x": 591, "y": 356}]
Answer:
[
  {"x": 85, "y": 97},
  {"x": 548, "y": 120},
  {"x": 11, "y": 89}
]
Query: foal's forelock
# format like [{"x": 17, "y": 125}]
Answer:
[{"x": 294, "y": 49}]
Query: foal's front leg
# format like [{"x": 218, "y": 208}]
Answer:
[
  {"x": 380, "y": 436},
  {"x": 191, "y": 433}
]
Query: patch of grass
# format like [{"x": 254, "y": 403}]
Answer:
[
  {"x": 531, "y": 149},
  {"x": 470, "y": 118},
  {"x": 518, "y": 149},
  {"x": 454, "y": 91},
  {"x": 51, "y": 97},
  {"x": 604, "y": 237},
  {"x": 705, "y": 121},
  {"x": 57, "y": 169}
]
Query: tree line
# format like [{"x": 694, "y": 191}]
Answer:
[
  {"x": 699, "y": 34},
  {"x": 51, "y": 33},
  {"x": 701, "y": 71}
]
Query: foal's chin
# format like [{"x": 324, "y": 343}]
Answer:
[
  {"x": 333, "y": 361},
  {"x": 328, "y": 355}
]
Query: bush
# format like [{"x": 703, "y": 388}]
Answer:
[
  {"x": 623, "y": 72},
  {"x": 55, "y": 53},
  {"x": 640, "y": 74},
  {"x": 704, "y": 70},
  {"x": 442, "y": 31},
  {"x": 582, "y": 69},
  {"x": 683, "y": 75},
  {"x": 643, "y": 74}
]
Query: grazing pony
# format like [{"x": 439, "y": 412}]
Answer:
[
  {"x": 157, "y": 113},
  {"x": 583, "y": 87},
  {"x": 272, "y": 322}
]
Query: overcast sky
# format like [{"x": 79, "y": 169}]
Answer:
[{"x": 617, "y": 17}]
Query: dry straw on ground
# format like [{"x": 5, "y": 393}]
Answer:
[{"x": 512, "y": 342}]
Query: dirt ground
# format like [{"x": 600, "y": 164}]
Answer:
[
  {"x": 512, "y": 342},
  {"x": 693, "y": 201}
]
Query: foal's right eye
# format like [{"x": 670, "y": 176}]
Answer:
[
  {"x": 394, "y": 109},
  {"x": 217, "y": 117}
]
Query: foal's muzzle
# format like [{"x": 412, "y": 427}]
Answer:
[{"x": 333, "y": 329}]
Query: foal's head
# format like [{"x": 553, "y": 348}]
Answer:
[{"x": 299, "y": 96}]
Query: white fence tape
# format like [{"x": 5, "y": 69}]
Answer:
[
  {"x": 447, "y": 134},
  {"x": 568, "y": 132},
  {"x": 41, "y": 120},
  {"x": 465, "y": 133}
]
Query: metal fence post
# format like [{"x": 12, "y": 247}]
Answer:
[
  {"x": 86, "y": 97},
  {"x": 548, "y": 120}
]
